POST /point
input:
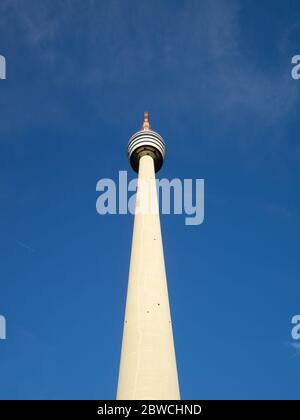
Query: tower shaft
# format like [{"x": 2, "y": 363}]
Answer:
[{"x": 148, "y": 364}]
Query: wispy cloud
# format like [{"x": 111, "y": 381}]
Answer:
[
  {"x": 282, "y": 212},
  {"x": 296, "y": 346},
  {"x": 195, "y": 54},
  {"x": 25, "y": 246}
]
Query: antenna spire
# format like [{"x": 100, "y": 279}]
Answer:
[{"x": 146, "y": 125}]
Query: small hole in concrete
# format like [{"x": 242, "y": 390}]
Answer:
[{"x": 158, "y": 304}]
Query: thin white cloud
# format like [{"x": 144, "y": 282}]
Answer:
[
  {"x": 23, "y": 245},
  {"x": 296, "y": 346},
  {"x": 194, "y": 54}
]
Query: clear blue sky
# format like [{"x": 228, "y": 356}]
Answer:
[{"x": 215, "y": 78}]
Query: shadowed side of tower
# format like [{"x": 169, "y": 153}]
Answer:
[{"x": 148, "y": 364}]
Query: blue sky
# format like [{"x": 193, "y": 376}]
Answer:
[{"x": 215, "y": 77}]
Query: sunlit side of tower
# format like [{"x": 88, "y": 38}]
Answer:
[{"x": 148, "y": 364}]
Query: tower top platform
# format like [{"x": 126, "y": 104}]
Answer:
[{"x": 146, "y": 142}]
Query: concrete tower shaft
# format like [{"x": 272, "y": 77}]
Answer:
[{"x": 148, "y": 364}]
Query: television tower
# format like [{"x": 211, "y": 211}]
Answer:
[{"x": 148, "y": 364}]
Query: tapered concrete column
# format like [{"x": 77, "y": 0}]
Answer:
[{"x": 148, "y": 364}]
